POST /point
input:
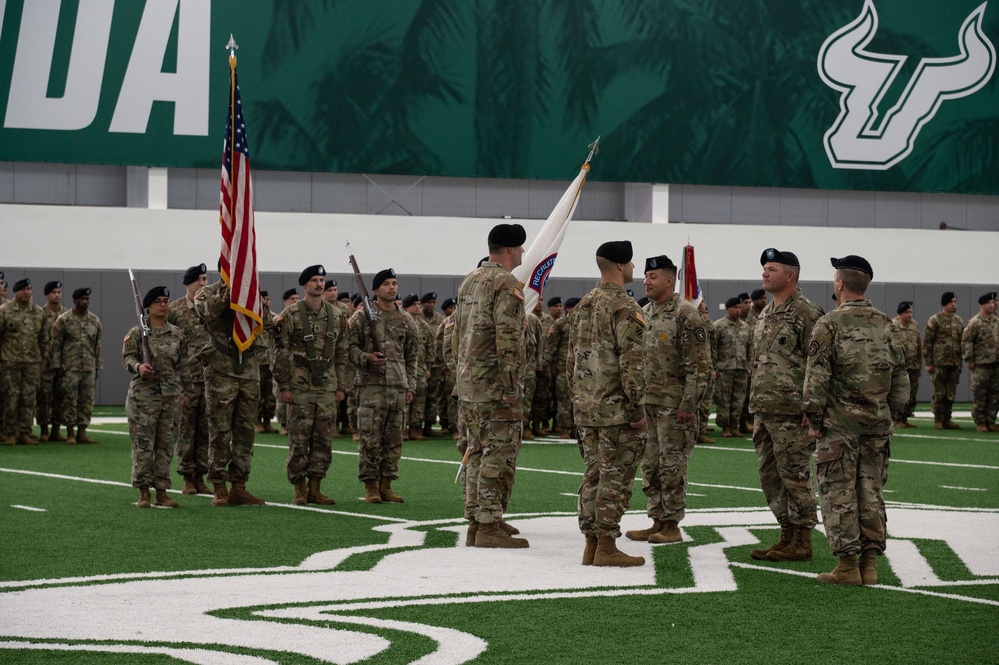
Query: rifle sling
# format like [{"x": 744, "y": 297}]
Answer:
[{"x": 316, "y": 364}]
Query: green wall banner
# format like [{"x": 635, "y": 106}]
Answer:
[{"x": 897, "y": 95}]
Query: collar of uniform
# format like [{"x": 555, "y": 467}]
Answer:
[
  {"x": 667, "y": 305},
  {"x": 856, "y": 303},
  {"x": 612, "y": 287}
]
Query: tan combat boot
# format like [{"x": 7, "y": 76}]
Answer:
[
  {"x": 643, "y": 534},
  {"x": 526, "y": 433},
  {"x": 163, "y": 499},
  {"x": 564, "y": 434},
  {"x": 473, "y": 528},
  {"x": 44, "y": 434},
  {"x": 221, "y": 495},
  {"x": 386, "y": 493},
  {"x": 704, "y": 438},
  {"x": 982, "y": 429},
  {"x": 26, "y": 439},
  {"x": 869, "y": 567},
  {"x": 300, "y": 497},
  {"x": 937, "y": 424},
  {"x": 143, "y": 501},
  {"x": 668, "y": 535},
  {"x": 70, "y": 437},
  {"x": 607, "y": 554},
  {"x": 54, "y": 435},
  {"x": 81, "y": 436},
  {"x": 727, "y": 433},
  {"x": 10, "y": 440},
  {"x": 199, "y": 484},
  {"x": 416, "y": 435},
  {"x": 950, "y": 424},
  {"x": 315, "y": 494},
  {"x": 799, "y": 549},
  {"x": 846, "y": 573},
  {"x": 535, "y": 428},
  {"x": 491, "y": 535},
  {"x": 259, "y": 429},
  {"x": 189, "y": 489},
  {"x": 786, "y": 531},
  {"x": 590, "y": 549},
  {"x": 240, "y": 497},
  {"x": 267, "y": 427},
  {"x": 508, "y": 528},
  {"x": 405, "y": 434},
  {"x": 371, "y": 493}
]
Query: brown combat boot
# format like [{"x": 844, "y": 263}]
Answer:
[
  {"x": 221, "y": 495},
  {"x": 300, "y": 498},
  {"x": 869, "y": 567},
  {"x": 491, "y": 535},
  {"x": 786, "y": 531},
  {"x": 54, "y": 435},
  {"x": 526, "y": 433},
  {"x": 70, "y": 437},
  {"x": 199, "y": 484},
  {"x": 846, "y": 573},
  {"x": 405, "y": 434},
  {"x": 26, "y": 439},
  {"x": 416, "y": 435},
  {"x": 982, "y": 429},
  {"x": 267, "y": 427},
  {"x": 508, "y": 528},
  {"x": 643, "y": 534},
  {"x": 240, "y": 497},
  {"x": 386, "y": 493},
  {"x": 189, "y": 489},
  {"x": 950, "y": 424},
  {"x": 473, "y": 528},
  {"x": 81, "y": 436},
  {"x": 937, "y": 424},
  {"x": 43, "y": 435},
  {"x": 564, "y": 434},
  {"x": 355, "y": 437},
  {"x": 607, "y": 554},
  {"x": 727, "y": 433},
  {"x": 535, "y": 428},
  {"x": 993, "y": 427},
  {"x": 259, "y": 429},
  {"x": 799, "y": 549},
  {"x": 590, "y": 549},
  {"x": 315, "y": 495},
  {"x": 163, "y": 499},
  {"x": 143, "y": 501},
  {"x": 371, "y": 493},
  {"x": 704, "y": 438},
  {"x": 669, "y": 534},
  {"x": 10, "y": 440}
]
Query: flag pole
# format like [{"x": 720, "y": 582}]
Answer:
[{"x": 232, "y": 46}]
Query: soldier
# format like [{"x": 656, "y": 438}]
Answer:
[
  {"x": 676, "y": 380},
  {"x": 556, "y": 348},
  {"x": 711, "y": 349},
  {"x": 534, "y": 362},
  {"x": 855, "y": 386},
  {"x": 289, "y": 298},
  {"x": 554, "y": 305},
  {"x": 445, "y": 355},
  {"x": 192, "y": 430},
  {"x": 489, "y": 356},
  {"x": 980, "y": 347},
  {"x": 156, "y": 395},
  {"x": 780, "y": 432},
  {"x": 232, "y": 396},
  {"x": 76, "y": 357},
  {"x": 268, "y": 387},
  {"x": 432, "y": 400},
  {"x": 49, "y": 404},
  {"x": 758, "y": 300},
  {"x": 732, "y": 339},
  {"x": 942, "y": 354},
  {"x": 913, "y": 346},
  {"x": 605, "y": 368},
  {"x": 24, "y": 348},
  {"x": 425, "y": 349},
  {"x": 447, "y": 404},
  {"x": 385, "y": 383},
  {"x": 310, "y": 356}
]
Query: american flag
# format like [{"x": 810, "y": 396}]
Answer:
[{"x": 239, "y": 240}]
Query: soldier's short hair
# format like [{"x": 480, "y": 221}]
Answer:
[{"x": 853, "y": 280}]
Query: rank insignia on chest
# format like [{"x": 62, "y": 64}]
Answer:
[{"x": 663, "y": 337}]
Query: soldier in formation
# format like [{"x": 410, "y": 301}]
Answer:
[
  {"x": 733, "y": 339},
  {"x": 980, "y": 348},
  {"x": 555, "y": 350},
  {"x": 413, "y": 429},
  {"x": 432, "y": 319},
  {"x": 912, "y": 344},
  {"x": 711, "y": 350},
  {"x": 942, "y": 354},
  {"x": 49, "y": 404},
  {"x": 24, "y": 349},
  {"x": 76, "y": 358},
  {"x": 268, "y": 387}
]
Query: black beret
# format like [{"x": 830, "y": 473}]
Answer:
[
  {"x": 218, "y": 266},
  {"x": 946, "y": 298},
  {"x": 985, "y": 297},
  {"x": 450, "y": 302},
  {"x": 852, "y": 262},
  {"x": 644, "y": 300},
  {"x": 743, "y": 296},
  {"x": 356, "y": 300},
  {"x": 289, "y": 293},
  {"x": 428, "y": 296},
  {"x": 903, "y": 306},
  {"x": 571, "y": 302},
  {"x": 381, "y": 276},
  {"x": 311, "y": 272},
  {"x": 1, "y": 275},
  {"x": 263, "y": 293},
  {"x": 343, "y": 296},
  {"x": 757, "y": 294},
  {"x": 733, "y": 302},
  {"x": 51, "y": 286},
  {"x": 410, "y": 300},
  {"x": 772, "y": 255},
  {"x": 330, "y": 283},
  {"x": 153, "y": 294},
  {"x": 192, "y": 274},
  {"x": 81, "y": 293},
  {"x": 657, "y": 262},
  {"x": 555, "y": 300},
  {"x": 618, "y": 251},
  {"x": 21, "y": 284},
  {"x": 507, "y": 235}
]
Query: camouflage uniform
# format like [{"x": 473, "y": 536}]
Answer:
[
  {"x": 541, "y": 404},
  {"x": 555, "y": 353},
  {"x": 24, "y": 346},
  {"x": 855, "y": 386},
  {"x": 980, "y": 346},
  {"x": 447, "y": 360},
  {"x": 153, "y": 405},
  {"x": 676, "y": 378},
  {"x": 76, "y": 354},
  {"x": 192, "y": 432},
  {"x": 605, "y": 368},
  {"x": 50, "y": 402},
  {"x": 232, "y": 389},
  {"x": 425, "y": 358},
  {"x": 782, "y": 444},
  {"x": 381, "y": 395},
  {"x": 268, "y": 387},
  {"x": 487, "y": 345},
  {"x": 431, "y": 407},
  {"x": 913, "y": 346},
  {"x": 533, "y": 360},
  {"x": 732, "y": 362},
  {"x": 311, "y": 361},
  {"x": 942, "y": 352},
  {"x": 711, "y": 351}
]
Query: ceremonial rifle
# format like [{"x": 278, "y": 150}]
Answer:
[
  {"x": 376, "y": 341},
  {"x": 143, "y": 319}
]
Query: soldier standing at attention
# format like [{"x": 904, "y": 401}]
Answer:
[
  {"x": 913, "y": 346},
  {"x": 711, "y": 348},
  {"x": 605, "y": 367},
  {"x": 192, "y": 434},
  {"x": 487, "y": 343},
  {"x": 942, "y": 353},
  {"x": 676, "y": 380},
  {"x": 556, "y": 348},
  {"x": 310, "y": 367},
  {"x": 24, "y": 348},
  {"x": 425, "y": 347},
  {"x": 268, "y": 388},
  {"x": 385, "y": 383},
  {"x": 855, "y": 386},
  {"x": 981, "y": 351},
  {"x": 780, "y": 431},
  {"x": 49, "y": 405},
  {"x": 533, "y": 362},
  {"x": 732, "y": 339},
  {"x": 76, "y": 356},
  {"x": 758, "y": 300},
  {"x": 156, "y": 395},
  {"x": 432, "y": 405}
]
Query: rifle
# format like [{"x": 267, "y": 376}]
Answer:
[
  {"x": 376, "y": 341},
  {"x": 143, "y": 320}
]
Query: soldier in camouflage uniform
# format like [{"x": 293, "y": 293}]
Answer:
[
  {"x": 980, "y": 347},
  {"x": 856, "y": 384},
  {"x": 288, "y": 299},
  {"x": 192, "y": 431},
  {"x": 156, "y": 395},
  {"x": 780, "y": 433},
  {"x": 913, "y": 347},
  {"x": 311, "y": 345},
  {"x": 76, "y": 357},
  {"x": 534, "y": 362},
  {"x": 425, "y": 357},
  {"x": 432, "y": 401},
  {"x": 711, "y": 350},
  {"x": 343, "y": 426},
  {"x": 232, "y": 396},
  {"x": 942, "y": 354},
  {"x": 556, "y": 347},
  {"x": 386, "y": 381},
  {"x": 442, "y": 341},
  {"x": 676, "y": 380},
  {"x": 268, "y": 387},
  {"x": 732, "y": 340},
  {"x": 605, "y": 367},
  {"x": 24, "y": 348},
  {"x": 488, "y": 347},
  {"x": 50, "y": 402}
]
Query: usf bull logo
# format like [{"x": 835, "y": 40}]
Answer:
[{"x": 865, "y": 136}]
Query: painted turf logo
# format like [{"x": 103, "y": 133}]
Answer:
[
  {"x": 539, "y": 278},
  {"x": 862, "y": 137}
]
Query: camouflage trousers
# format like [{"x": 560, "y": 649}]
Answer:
[
  {"x": 152, "y": 426},
  {"x": 563, "y": 404},
  {"x": 493, "y": 431},
  {"x": 447, "y": 404},
  {"x": 985, "y": 393},
  {"x": 785, "y": 453},
  {"x": 530, "y": 383},
  {"x": 852, "y": 470},
  {"x": 311, "y": 421},
  {"x": 232, "y": 406},
  {"x": 944, "y": 391},
  {"x": 611, "y": 455},
  {"x": 910, "y": 406},
  {"x": 50, "y": 403},
  {"x": 541, "y": 405},
  {"x": 380, "y": 414},
  {"x": 280, "y": 408},
  {"x": 20, "y": 387},
  {"x": 78, "y": 392},
  {"x": 431, "y": 406},
  {"x": 730, "y": 393},
  {"x": 704, "y": 411},
  {"x": 268, "y": 393},
  {"x": 192, "y": 436},
  {"x": 416, "y": 408},
  {"x": 664, "y": 464}
]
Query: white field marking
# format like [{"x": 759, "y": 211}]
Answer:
[
  {"x": 107, "y": 431},
  {"x": 911, "y": 567},
  {"x": 31, "y": 508},
  {"x": 933, "y": 508},
  {"x": 199, "y": 656},
  {"x": 576, "y": 496},
  {"x": 965, "y": 489},
  {"x": 897, "y": 435},
  {"x": 693, "y": 494}
]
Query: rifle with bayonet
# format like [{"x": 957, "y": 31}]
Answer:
[
  {"x": 369, "y": 310},
  {"x": 143, "y": 319}
]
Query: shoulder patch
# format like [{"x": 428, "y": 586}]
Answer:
[
  {"x": 519, "y": 293},
  {"x": 448, "y": 324},
  {"x": 700, "y": 335},
  {"x": 641, "y": 319},
  {"x": 813, "y": 347}
]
